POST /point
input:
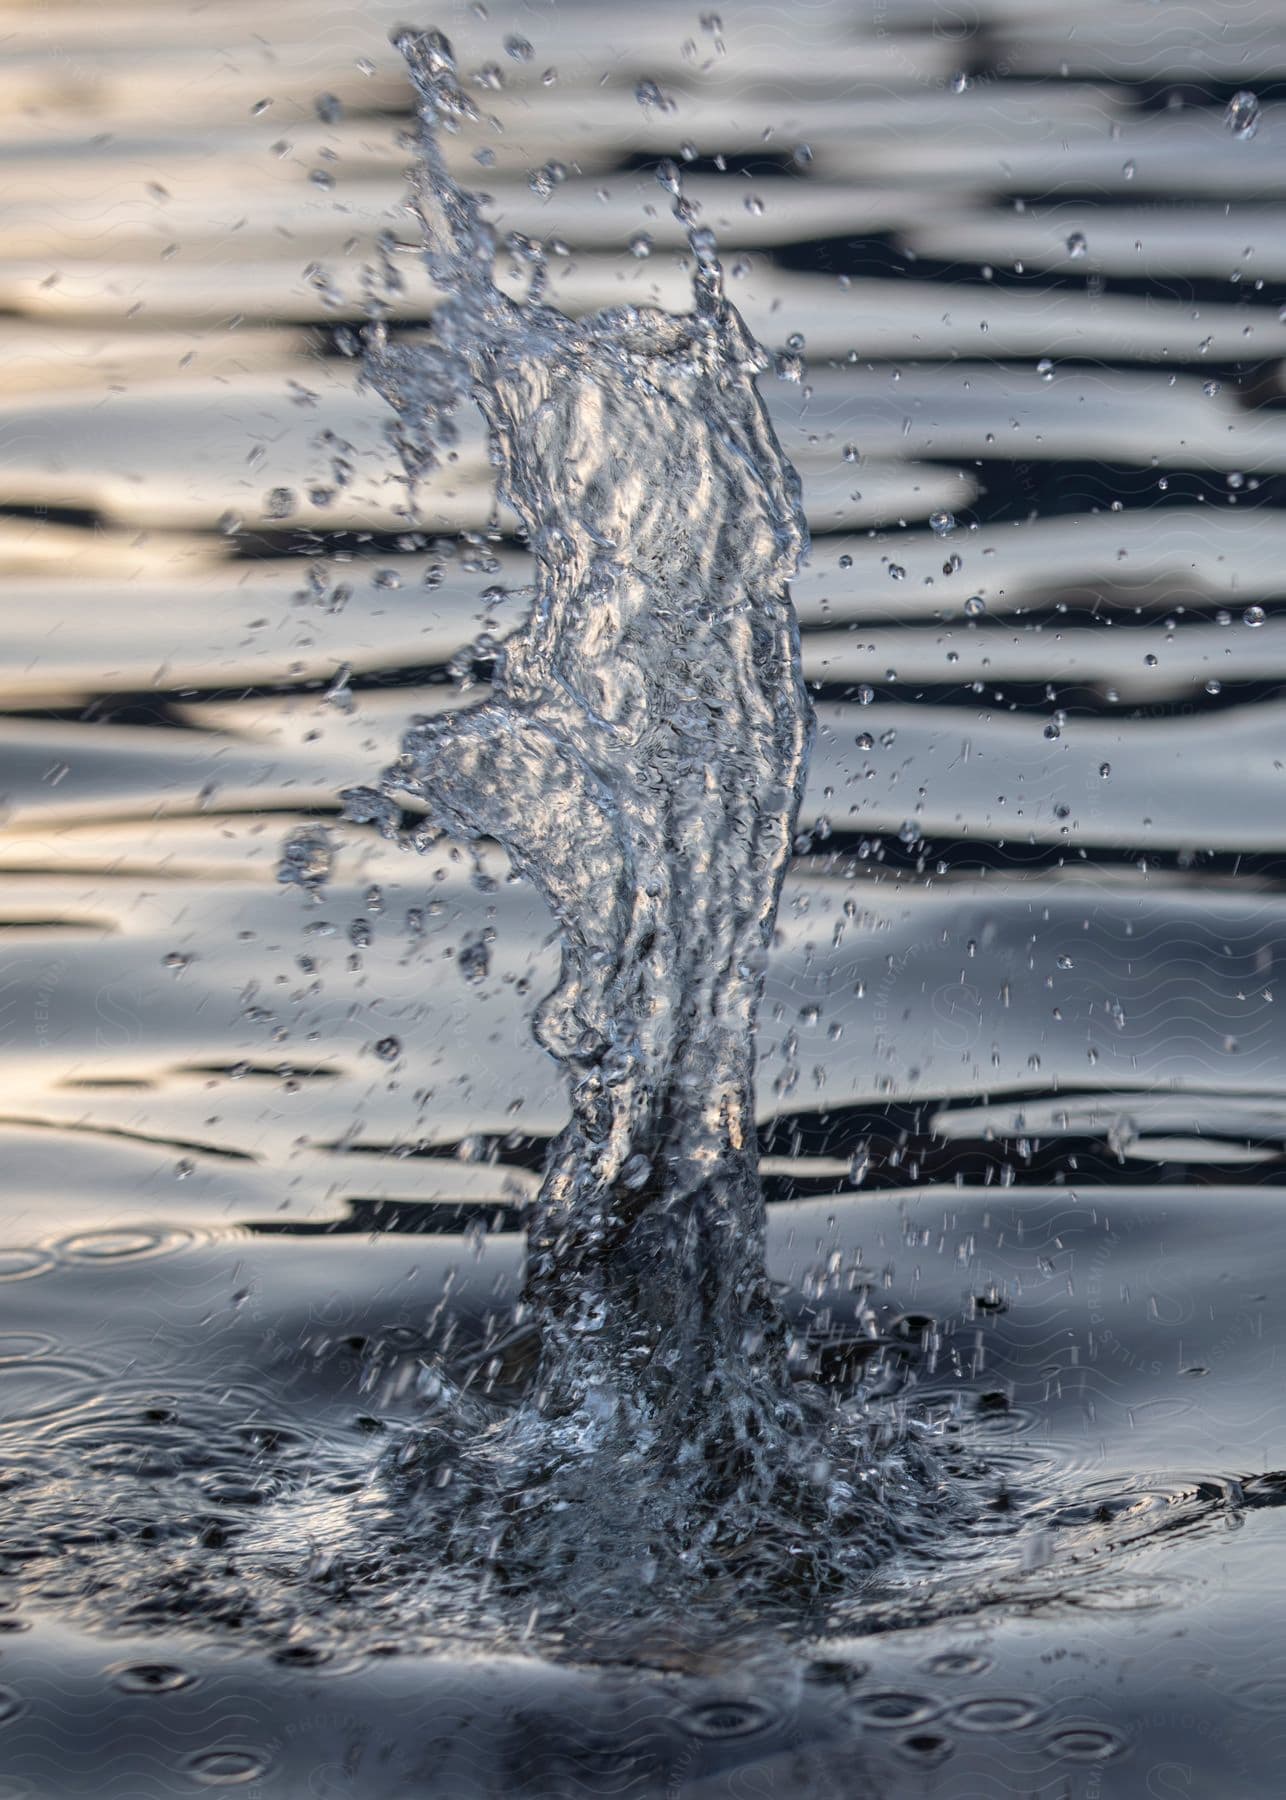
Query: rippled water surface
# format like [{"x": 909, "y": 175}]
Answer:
[{"x": 313, "y": 1480}]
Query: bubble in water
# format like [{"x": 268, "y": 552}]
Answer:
[{"x": 1242, "y": 114}]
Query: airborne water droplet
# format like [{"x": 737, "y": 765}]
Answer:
[
  {"x": 1243, "y": 114},
  {"x": 307, "y": 857}
]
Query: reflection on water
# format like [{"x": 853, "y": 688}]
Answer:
[{"x": 268, "y": 1155}]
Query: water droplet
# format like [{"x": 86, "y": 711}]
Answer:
[
  {"x": 307, "y": 857},
  {"x": 649, "y": 94},
  {"x": 1076, "y": 244},
  {"x": 1105, "y": 769},
  {"x": 942, "y": 522},
  {"x": 1045, "y": 369},
  {"x": 280, "y": 503},
  {"x": 975, "y": 606},
  {"x": 1253, "y": 616},
  {"x": 518, "y": 48},
  {"x": 1242, "y": 115},
  {"x": 388, "y": 1049},
  {"x": 641, "y": 244}
]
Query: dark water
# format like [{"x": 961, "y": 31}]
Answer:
[{"x": 269, "y": 1156}]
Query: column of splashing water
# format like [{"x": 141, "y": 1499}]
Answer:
[{"x": 641, "y": 759}]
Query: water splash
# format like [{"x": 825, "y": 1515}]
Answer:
[{"x": 641, "y": 759}]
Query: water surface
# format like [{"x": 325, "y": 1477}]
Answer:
[{"x": 269, "y": 1157}]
